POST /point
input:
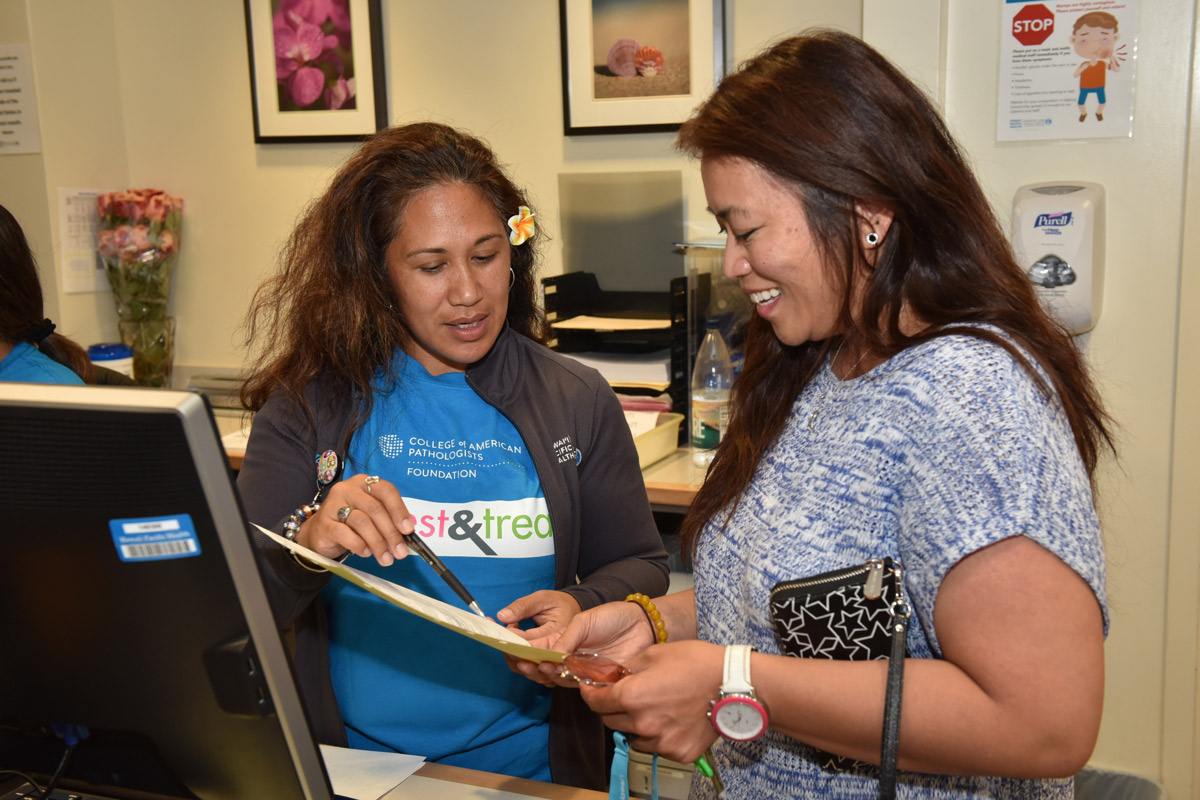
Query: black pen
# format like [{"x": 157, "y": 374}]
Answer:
[{"x": 420, "y": 548}]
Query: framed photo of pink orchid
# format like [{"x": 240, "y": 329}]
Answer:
[
  {"x": 634, "y": 66},
  {"x": 316, "y": 70}
]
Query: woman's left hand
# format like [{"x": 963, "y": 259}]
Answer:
[
  {"x": 664, "y": 704},
  {"x": 550, "y": 611}
]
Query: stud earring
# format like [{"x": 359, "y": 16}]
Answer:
[{"x": 872, "y": 239}]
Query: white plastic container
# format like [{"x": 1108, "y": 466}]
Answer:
[{"x": 112, "y": 355}]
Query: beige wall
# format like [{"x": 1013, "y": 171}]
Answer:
[
  {"x": 23, "y": 176},
  {"x": 1181, "y": 717},
  {"x": 1133, "y": 349},
  {"x": 145, "y": 92}
]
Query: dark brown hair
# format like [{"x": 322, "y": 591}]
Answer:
[
  {"x": 329, "y": 309},
  {"x": 21, "y": 304},
  {"x": 840, "y": 126}
]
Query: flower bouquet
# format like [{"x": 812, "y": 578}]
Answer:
[{"x": 139, "y": 242}]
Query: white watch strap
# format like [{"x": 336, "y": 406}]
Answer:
[{"x": 737, "y": 670}]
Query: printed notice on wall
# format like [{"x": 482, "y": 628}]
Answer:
[
  {"x": 81, "y": 267},
  {"x": 19, "y": 132},
  {"x": 1067, "y": 69}
]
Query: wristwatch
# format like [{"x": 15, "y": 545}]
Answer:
[{"x": 736, "y": 714}]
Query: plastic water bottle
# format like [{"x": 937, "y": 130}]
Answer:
[{"x": 712, "y": 377}]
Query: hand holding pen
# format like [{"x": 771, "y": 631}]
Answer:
[
  {"x": 366, "y": 516},
  {"x": 418, "y": 546}
]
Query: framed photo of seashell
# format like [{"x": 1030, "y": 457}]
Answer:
[
  {"x": 316, "y": 70},
  {"x": 634, "y": 66}
]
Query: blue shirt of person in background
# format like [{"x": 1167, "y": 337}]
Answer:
[{"x": 26, "y": 364}]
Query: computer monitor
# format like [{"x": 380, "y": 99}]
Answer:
[{"x": 131, "y": 604}]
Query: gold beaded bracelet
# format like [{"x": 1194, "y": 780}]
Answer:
[{"x": 652, "y": 614}]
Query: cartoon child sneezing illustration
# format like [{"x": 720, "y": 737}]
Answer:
[{"x": 1095, "y": 39}]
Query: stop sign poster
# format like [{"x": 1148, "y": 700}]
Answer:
[{"x": 1067, "y": 69}]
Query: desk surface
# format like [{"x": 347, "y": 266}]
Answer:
[
  {"x": 670, "y": 483},
  {"x": 442, "y": 782}
]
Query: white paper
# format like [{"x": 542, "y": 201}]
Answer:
[
  {"x": 1040, "y": 55},
  {"x": 236, "y": 440},
  {"x": 366, "y": 774},
  {"x": 80, "y": 264},
  {"x": 458, "y": 620},
  {"x": 19, "y": 129},
  {"x": 651, "y": 370},
  {"x": 590, "y": 323},
  {"x": 641, "y": 421}
]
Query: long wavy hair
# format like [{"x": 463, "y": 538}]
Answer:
[
  {"x": 330, "y": 309},
  {"x": 844, "y": 130},
  {"x": 22, "y": 310}
]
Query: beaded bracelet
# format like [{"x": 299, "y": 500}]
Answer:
[
  {"x": 652, "y": 613},
  {"x": 292, "y": 525}
]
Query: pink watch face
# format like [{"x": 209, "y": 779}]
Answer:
[{"x": 739, "y": 718}]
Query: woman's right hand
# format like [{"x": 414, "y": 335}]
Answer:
[
  {"x": 375, "y": 526},
  {"x": 663, "y": 704},
  {"x": 617, "y": 630}
]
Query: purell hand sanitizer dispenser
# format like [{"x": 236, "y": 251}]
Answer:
[{"x": 1058, "y": 239}]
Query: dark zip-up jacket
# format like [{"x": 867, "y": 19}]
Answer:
[{"x": 606, "y": 545}]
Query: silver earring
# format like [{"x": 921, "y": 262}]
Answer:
[
  {"x": 512, "y": 278},
  {"x": 872, "y": 239}
]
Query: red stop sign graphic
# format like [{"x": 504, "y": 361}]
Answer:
[{"x": 1033, "y": 24}]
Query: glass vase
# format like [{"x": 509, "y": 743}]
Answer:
[
  {"x": 141, "y": 286},
  {"x": 153, "y": 345}
]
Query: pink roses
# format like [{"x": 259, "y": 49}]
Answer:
[
  {"x": 138, "y": 222},
  {"x": 138, "y": 240}
]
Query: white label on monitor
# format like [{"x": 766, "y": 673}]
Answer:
[{"x": 155, "y": 538}]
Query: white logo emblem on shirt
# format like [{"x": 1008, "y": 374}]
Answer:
[
  {"x": 391, "y": 445},
  {"x": 564, "y": 451}
]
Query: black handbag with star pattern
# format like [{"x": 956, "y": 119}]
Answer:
[{"x": 855, "y": 613}]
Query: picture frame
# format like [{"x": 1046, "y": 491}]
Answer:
[
  {"x": 602, "y": 96},
  {"x": 336, "y": 95}
]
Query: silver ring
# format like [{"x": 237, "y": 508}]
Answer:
[
  {"x": 370, "y": 481},
  {"x": 343, "y": 512}
]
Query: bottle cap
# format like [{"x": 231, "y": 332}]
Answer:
[
  {"x": 108, "y": 351},
  {"x": 711, "y": 324}
]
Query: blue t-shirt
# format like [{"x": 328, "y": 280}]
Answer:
[
  {"x": 940, "y": 451},
  {"x": 404, "y": 683},
  {"x": 27, "y": 364}
]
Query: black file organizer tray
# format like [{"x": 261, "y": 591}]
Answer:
[{"x": 574, "y": 294}]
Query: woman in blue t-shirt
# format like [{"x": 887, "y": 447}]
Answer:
[
  {"x": 403, "y": 388},
  {"x": 904, "y": 396},
  {"x": 30, "y": 350}
]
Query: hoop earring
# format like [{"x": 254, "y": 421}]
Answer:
[
  {"x": 512, "y": 278},
  {"x": 872, "y": 239}
]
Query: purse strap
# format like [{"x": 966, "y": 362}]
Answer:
[{"x": 891, "y": 703}]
